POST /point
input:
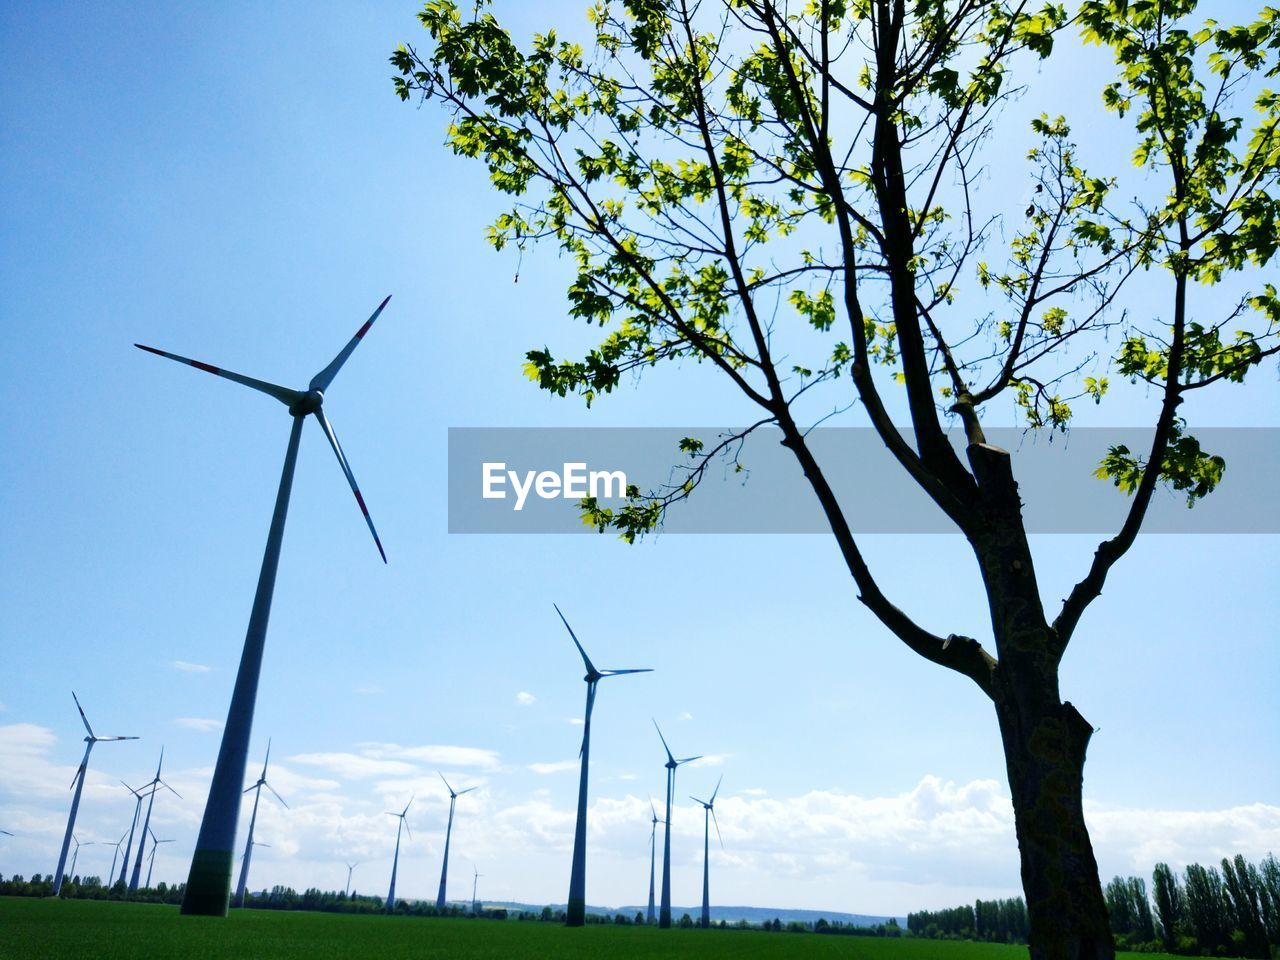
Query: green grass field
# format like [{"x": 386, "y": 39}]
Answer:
[{"x": 40, "y": 929}]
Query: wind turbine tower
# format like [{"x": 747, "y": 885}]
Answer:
[
  {"x": 155, "y": 785},
  {"x": 576, "y": 913},
  {"x": 253, "y": 819},
  {"x": 115, "y": 856},
  {"x": 209, "y": 881},
  {"x": 708, "y": 816},
  {"x": 653, "y": 856},
  {"x": 78, "y": 783},
  {"x": 395, "y": 861},
  {"x": 664, "y": 913},
  {"x": 444, "y": 869}
]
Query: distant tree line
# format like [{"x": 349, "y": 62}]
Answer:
[
  {"x": 1235, "y": 912},
  {"x": 1000, "y": 921},
  {"x": 88, "y": 888}
]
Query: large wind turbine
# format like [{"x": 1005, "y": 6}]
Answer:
[
  {"x": 653, "y": 856},
  {"x": 151, "y": 857},
  {"x": 155, "y": 785},
  {"x": 708, "y": 815},
  {"x": 133, "y": 826},
  {"x": 664, "y": 913},
  {"x": 444, "y": 869},
  {"x": 253, "y": 819},
  {"x": 119, "y": 843},
  {"x": 209, "y": 882},
  {"x": 475, "y": 904},
  {"x": 576, "y": 914},
  {"x": 78, "y": 783},
  {"x": 350, "y": 867},
  {"x": 395, "y": 862}
]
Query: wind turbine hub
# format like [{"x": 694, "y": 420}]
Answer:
[{"x": 309, "y": 402}]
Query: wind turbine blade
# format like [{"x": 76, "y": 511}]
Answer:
[
  {"x": 468, "y": 790},
  {"x": 249, "y": 789},
  {"x": 170, "y": 789},
  {"x": 274, "y": 794},
  {"x": 717, "y": 789},
  {"x": 407, "y": 830},
  {"x": 283, "y": 394},
  {"x": 688, "y": 759},
  {"x": 412, "y": 797},
  {"x": 78, "y": 774},
  {"x": 585, "y": 659},
  {"x": 664, "y": 741},
  {"x": 618, "y": 673},
  {"x": 696, "y": 800},
  {"x": 325, "y": 377},
  {"x": 101, "y": 739},
  {"x": 266, "y": 759},
  {"x": 83, "y": 718},
  {"x": 446, "y": 784},
  {"x": 342, "y": 462},
  {"x": 717, "y": 823}
]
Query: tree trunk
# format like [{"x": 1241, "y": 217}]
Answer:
[
  {"x": 1044, "y": 738},
  {"x": 1044, "y": 755}
]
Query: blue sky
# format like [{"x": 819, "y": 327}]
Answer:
[{"x": 237, "y": 183}]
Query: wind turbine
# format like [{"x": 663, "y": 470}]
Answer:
[
  {"x": 253, "y": 819},
  {"x": 350, "y": 867},
  {"x": 78, "y": 783},
  {"x": 576, "y": 913},
  {"x": 444, "y": 870},
  {"x": 151, "y": 858},
  {"x": 708, "y": 815},
  {"x": 209, "y": 882},
  {"x": 475, "y": 904},
  {"x": 155, "y": 785},
  {"x": 664, "y": 913},
  {"x": 76, "y": 855},
  {"x": 653, "y": 854},
  {"x": 395, "y": 862},
  {"x": 119, "y": 843},
  {"x": 137, "y": 812}
]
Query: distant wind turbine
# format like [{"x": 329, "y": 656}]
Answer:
[
  {"x": 119, "y": 843},
  {"x": 151, "y": 857},
  {"x": 576, "y": 913},
  {"x": 76, "y": 855},
  {"x": 350, "y": 867},
  {"x": 78, "y": 783},
  {"x": 475, "y": 904},
  {"x": 444, "y": 869},
  {"x": 395, "y": 862},
  {"x": 209, "y": 881},
  {"x": 664, "y": 913},
  {"x": 155, "y": 785},
  {"x": 253, "y": 819},
  {"x": 653, "y": 855},
  {"x": 133, "y": 826},
  {"x": 708, "y": 815}
]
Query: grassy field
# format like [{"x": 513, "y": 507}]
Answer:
[{"x": 40, "y": 929}]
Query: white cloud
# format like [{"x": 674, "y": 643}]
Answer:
[
  {"x": 202, "y": 724},
  {"x": 441, "y": 755},
  {"x": 525, "y": 699},
  {"x": 186, "y": 667},
  {"x": 710, "y": 760},
  {"x": 575, "y": 721},
  {"x": 686, "y": 716},
  {"x": 755, "y": 791},
  {"x": 557, "y": 766}
]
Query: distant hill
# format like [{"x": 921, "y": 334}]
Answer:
[{"x": 728, "y": 914}]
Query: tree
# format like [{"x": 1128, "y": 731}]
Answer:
[
  {"x": 707, "y": 161},
  {"x": 1167, "y": 893}
]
